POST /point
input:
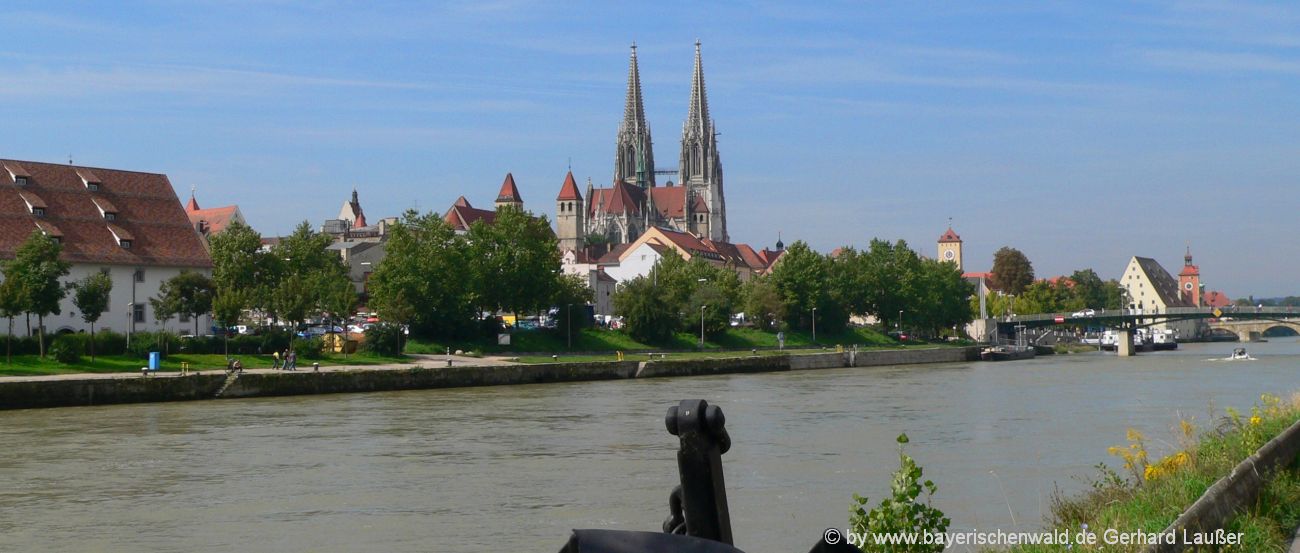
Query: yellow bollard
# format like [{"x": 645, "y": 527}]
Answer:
[{"x": 620, "y": 355}]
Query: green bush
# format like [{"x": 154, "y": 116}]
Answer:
[
  {"x": 384, "y": 339},
  {"x": 144, "y": 342},
  {"x": 108, "y": 342},
  {"x": 67, "y": 348},
  {"x": 901, "y": 514},
  {"x": 309, "y": 348},
  {"x": 275, "y": 340}
]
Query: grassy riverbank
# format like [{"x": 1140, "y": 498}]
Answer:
[
  {"x": 1153, "y": 492},
  {"x": 593, "y": 340},
  {"x": 32, "y": 365}
]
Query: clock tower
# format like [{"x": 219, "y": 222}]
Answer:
[
  {"x": 1189, "y": 281},
  {"x": 950, "y": 248}
]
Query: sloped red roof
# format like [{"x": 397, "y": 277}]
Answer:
[
  {"x": 104, "y": 205},
  {"x": 1190, "y": 270},
  {"x": 569, "y": 190},
  {"x": 192, "y": 205},
  {"x": 16, "y": 169},
  {"x": 215, "y": 219},
  {"x": 949, "y": 236},
  {"x": 698, "y": 206},
  {"x": 461, "y": 217},
  {"x": 1215, "y": 298},
  {"x": 622, "y": 198},
  {"x": 751, "y": 257},
  {"x": 509, "y": 192},
  {"x": 669, "y": 201},
  {"x": 462, "y": 202},
  {"x": 613, "y": 254},
  {"x": 30, "y": 198},
  {"x": 148, "y": 209}
]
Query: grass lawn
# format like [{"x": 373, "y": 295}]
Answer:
[
  {"x": 1158, "y": 490},
  {"x": 31, "y": 365},
  {"x": 600, "y": 341}
]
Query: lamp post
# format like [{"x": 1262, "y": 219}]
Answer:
[
  {"x": 568, "y": 323},
  {"x": 814, "y": 326},
  {"x": 702, "y": 326},
  {"x": 130, "y": 322},
  {"x": 900, "y": 320}
]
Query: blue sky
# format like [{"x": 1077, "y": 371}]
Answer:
[{"x": 1081, "y": 133}]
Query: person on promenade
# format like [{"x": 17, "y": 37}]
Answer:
[
  {"x": 291, "y": 363},
  {"x": 275, "y": 360}
]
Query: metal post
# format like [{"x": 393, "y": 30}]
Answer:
[
  {"x": 701, "y": 504},
  {"x": 702, "y": 326},
  {"x": 814, "y": 326}
]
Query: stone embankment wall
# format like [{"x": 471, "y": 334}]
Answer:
[{"x": 21, "y": 394}]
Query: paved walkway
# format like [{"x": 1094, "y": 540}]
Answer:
[{"x": 303, "y": 366}]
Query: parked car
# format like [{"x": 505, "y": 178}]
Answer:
[
  {"x": 1084, "y": 313},
  {"x": 900, "y": 335}
]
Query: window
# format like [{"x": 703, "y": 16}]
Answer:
[
  {"x": 38, "y": 211},
  {"x": 110, "y": 216},
  {"x": 126, "y": 244},
  {"x": 92, "y": 186},
  {"x": 184, "y": 317},
  {"x": 137, "y": 313},
  {"x": 20, "y": 181},
  {"x": 139, "y": 275}
]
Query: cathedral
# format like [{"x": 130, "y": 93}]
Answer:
[{"x": 635, "y": 202}]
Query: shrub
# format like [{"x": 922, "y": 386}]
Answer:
[
  {"x": 67, "y": 348},
  {"x": 900, "y": 514},
  {"x": 108, "y": 342},
  {"x": 275, "y": 340},
  {"x": 309, "y": 348},
  {"x": 384, "y": 339}
]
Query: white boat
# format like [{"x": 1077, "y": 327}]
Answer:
[{"x": 1240, "y": 354}]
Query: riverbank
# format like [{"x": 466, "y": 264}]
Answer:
[
  {"x": 428, "y": 373},
  {"x": 1239, "y": 478}
]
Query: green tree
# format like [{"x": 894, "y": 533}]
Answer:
[
  {"x": 1089, "y": 289},
  {"x": 1012, "y": 271},
  {"x": 891, "y": 273},
  {"x": 90, "y": 295},
  {"x": 942, "y": 297},
  {"x": 10, "y": 307},
  {"x": 802, "y": 278},
  {"x": 337, "y": 299},
  {"x": 514, "y": 262},
  {"x": 227, "y": 306},
  {"x": 310, "y": 277},
  {"x": 37, "y": 269},
  {"x": 238, "y": 263},
  {"x": 763, "y": 304},
  {"x": 571, "y": 293},
  {"x": 710, "y": 302},
  {"x": 422, "y": 280},
  {"x": 188, "y": 293},
  {"x": 646, "y": 312}
]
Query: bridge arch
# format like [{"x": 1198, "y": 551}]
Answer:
[{"x": 1277, "y": 331}]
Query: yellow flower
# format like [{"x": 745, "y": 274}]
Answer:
[{"x": 1255, "y": 420}]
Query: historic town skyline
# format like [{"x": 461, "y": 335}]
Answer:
[{"x": 1079, "y": 134}]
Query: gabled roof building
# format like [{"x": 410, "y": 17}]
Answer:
[{"x": 128, "y": 224}]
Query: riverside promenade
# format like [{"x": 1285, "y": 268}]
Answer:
[{"x": 424, "y": 372}]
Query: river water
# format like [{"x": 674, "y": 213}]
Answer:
[{"x": 516, "y": 467}]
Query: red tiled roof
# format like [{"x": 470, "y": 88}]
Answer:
[
  {"x": 698, "y": 206},
  {"x": 949, "y": 236},
  {"x": 509, "y": 192},
  {"x": 16, "y": 169},
  {"x": 215, "y": 219},
  {"x": 192, "y": 205},
  {"x": 1215, "y": 298},
  {"x": 31, "y": 199},
  {"x": 120, "y": 233},
  {"x": 601, "y": 276},
  {"x": 148, "y": 209},
  {"x": 87, "y": 176},
  {"x": 987, "y": 276},
  {"x": 751, "y": 257},
  {"x": 462, "y": 215},
  {"x": 622, "y": 198},
  {"x": 1190, "y": 270},
  {"x": 104, "y": 205},
  {"x": 613, "y": 254},
  {"x": 569, "y": 190}
]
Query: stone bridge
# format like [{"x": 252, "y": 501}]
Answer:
[{"x": 1253, "y": 329}]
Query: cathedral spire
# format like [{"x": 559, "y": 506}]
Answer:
[
  {"x": 634, "y": 160},
  {"x": 698, "y": 116},
  {"x": 634, "y": 110}
]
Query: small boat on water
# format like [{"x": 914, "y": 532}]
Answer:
[
  {"x": 1006, "y": 353},
  {"x": 1162, "y": 340},
  {"x": 1240, "y": 354}
]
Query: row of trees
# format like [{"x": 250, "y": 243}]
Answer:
[
  {"x": 447, "y": 285},
  {"x": 880, "y": 282},
  {"x": 1021, "y": 293}
]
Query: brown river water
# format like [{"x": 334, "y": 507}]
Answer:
[{"x": 516, "y": 467}]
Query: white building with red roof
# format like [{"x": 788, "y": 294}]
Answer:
[
  {"x": 212, "y": 220},
  {"x": 128, "y": 224}
]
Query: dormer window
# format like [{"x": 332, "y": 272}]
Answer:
[
  {"x": 89, "y": 179},
  {"x": 38, "y": 211},
  {"x": 110, "y": 216},
  {"x": 92, "y": 186},
  {"x": 20, "y": 181},
  {"x": 126, "y": 244}
]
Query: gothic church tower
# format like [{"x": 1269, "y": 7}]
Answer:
[
  {"x": 701, "y": 167},
  {"x": 634, "y": 159}
]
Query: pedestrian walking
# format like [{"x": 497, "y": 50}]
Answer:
[
  {"x": 292, "y": 361},
  {"x": 275, "y": 360}
]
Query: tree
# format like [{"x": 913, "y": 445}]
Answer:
[
  {"x": 90, "y": 295},
  {"x": 514, "y": 262},
  {"x": 337, "y": 299},
  {"x": 648, "y": 315},
  {"x": 10, "y": 307},
  {"x": 188, "y": 293},
  {"x": 802, "y": 278},
  {"x": 310, "y": 277},
  {"x": 762, "y": 303},
  {"x": 238, "y": 263},
  {"x": 422, "y": 280},
  {"x": 941, "y": 299},
  {"x": 1012, "y": 271},
  {"x": 227, "y": 305},
  {"x": 572, "y": 291},
  {"x": 37, "y": 269},
  {"x": 713, "y": 305}
]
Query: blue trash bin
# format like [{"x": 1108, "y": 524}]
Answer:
[{"x": 155, "y": 360}]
